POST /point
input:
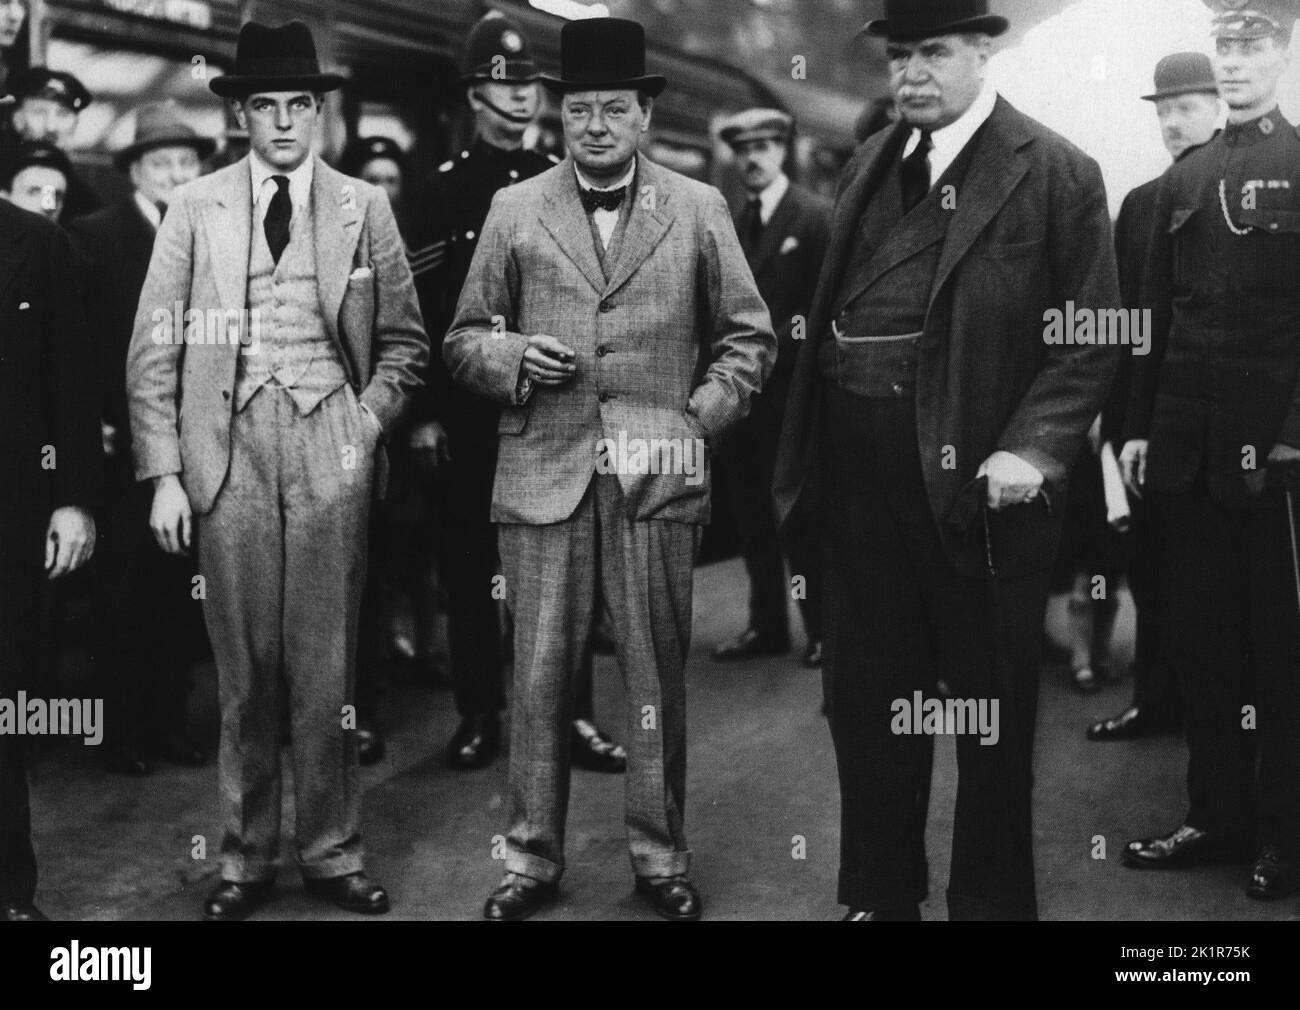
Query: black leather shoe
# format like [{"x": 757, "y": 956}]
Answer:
[
  {"x": 518, "y": 897},
  {"x": 812, "y": 655},
  {"x": 370, "y": 744},
  {"x": 909, "y": 914},
  {"x": 673, "y": 898},
  {"x": 178, "y": 748},
  {"x": 1273, "y": 876},
  {"x": 1182, "y": 848},
  {"x": 231, "y": 902},
  {"x": 475, "y": 743},
  {"x": 749, "y": 644},
  {"x": 1134, "y": 722},
  {"x": 127, "y": 758},
  {"x": 352, "y": 892},
  {"x": 596, "y": 751},
  {"x": 15, "y": 912}
]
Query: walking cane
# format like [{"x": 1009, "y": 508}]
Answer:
[{"x": 1295, "y": 553}]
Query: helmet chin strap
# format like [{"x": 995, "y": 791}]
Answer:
[{"x": 511, "y": 117}]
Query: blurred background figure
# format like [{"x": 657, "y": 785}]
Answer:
[
  {"x": 783, "y": 231},
  {"x": 35, "y": 177},
  {"x": 148, "y": 627},
  {"x": 380, "y": 162},
  {"x": 13, "y": 48},
  {"x": 48, "y": 105}
]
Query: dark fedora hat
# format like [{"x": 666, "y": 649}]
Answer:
[
  {"x": 274, "y": 59},
  {"x": 497, "y": 50},
  {"x": 1183, "y": 74},
  {"x": 603, "y": 54},
  {"x": 909, "y": 20},
  {"x": 159, "y": 124}
]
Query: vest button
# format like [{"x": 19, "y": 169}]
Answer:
[
  {"x": 225, "y": 394},
  {"x": 601, "y": 351},
  {"x": 603, "y": 398},
  {"x": 899, "y": 389},
  {"x": 606, "y": 306}
]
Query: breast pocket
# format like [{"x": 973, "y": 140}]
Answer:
[{"x": 1272, "y": 250}]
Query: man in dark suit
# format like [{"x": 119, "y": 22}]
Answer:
[
  {"x": 149, "y": 625},
  {"x": 1187, "y": 105},
  {"x": 49, "y": 451},
  {"x": 1215, "y": 432},
  {"x": 783, "y": 230},
  {"x": 49, "y": 105},
  {"x": 940, "y": 414}
]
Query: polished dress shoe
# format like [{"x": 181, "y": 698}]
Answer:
[
  {"x": 1273, "y": 875},
  {"x": 1135, "y": 721},
  {"x": 231, "y": 901},
  {"x": 475, "y": 743},
  {"x": 672, "y": 898},
  {"x": 352, "y": 892},
  {"x": 178, "y": 748},
  {"x": 909, "y": 914},
  {"x": 596, "y": 751},
  {"x": 1182, "y": 848},
  {"x": 749, "y": 644},
  {"x": 812, "y": 655},
  {"x": 21, "y": 912},
  {"x": 126, "y": 758},
  {"x": 518, "y": 897},
  {"x": 370, "y": 744}
]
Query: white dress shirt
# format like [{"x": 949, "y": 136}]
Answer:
[
  {"x": 264, "y": 187},
  {"x": 770, "y": 198},
  {"x": 606, "y": 220},
  {"x": 949, "y": 142},
  {"x": 150, "y": 211}
]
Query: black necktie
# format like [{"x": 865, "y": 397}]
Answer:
[
  {"x": 915, "y": 173},
  {"x": 278, "y": 216},
  {"x": 751, "y": 223},
  {"x": 602, "y": 199}
]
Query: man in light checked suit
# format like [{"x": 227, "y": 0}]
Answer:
[{"x": 608, "y": 301}]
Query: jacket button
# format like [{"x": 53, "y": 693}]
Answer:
[
  {"x": 604, "y": 397},
  {"x": 899, "y": 389},
  {"x": 606, "y": 306},
  {"x": 225, "y": 394},
  {"x": 601, "y": 351}
]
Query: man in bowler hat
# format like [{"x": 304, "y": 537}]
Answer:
[
  {"x": 608, "y": 305},
  {"x": 264, "y": 441},
  {"x": 939, "y": 422}
]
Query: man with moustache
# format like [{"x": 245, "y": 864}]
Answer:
[
  {"x": 783, "y": 230},
  {"x": 1187, "y": 107},
  {"x": 1215, "y": 433},
  {"x": 454, "y": 429},
  {"x": 940, "y": 425},
  {"x": 265, "y": 442},
  {"x": 608, "y": 301}
]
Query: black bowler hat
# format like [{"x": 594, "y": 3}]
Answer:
[
  {"x": 1183, "y": 74},
  {"x": 496, "y": 50},
  {"x": 56, "y": 85},
  {"x": 603, "y": 54},
  {"x": 33, "y": 152},
  {"x": 274, "y": 59},
  {"x": 909, "y": 20}
]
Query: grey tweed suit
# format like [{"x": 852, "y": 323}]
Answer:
[{"x": 672, "y": 341}]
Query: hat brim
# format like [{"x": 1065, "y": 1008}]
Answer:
[
  {"x": 237, "y": 86},
  {"x": 483, "y": 77},
  {"x": 652, "y": 85},
  {"x": 1191, "y": 89},
  {"x": 987, "y": 24},
  {"x": 203, "y": 147},
  {"x": 734, "y": 140}
]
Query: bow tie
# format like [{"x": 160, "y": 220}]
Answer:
[{"x": 602, "y": 199}]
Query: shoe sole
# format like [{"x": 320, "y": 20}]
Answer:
[
  {"x": 1218, "y": 859},
  {"x": 527, "y": 913}
]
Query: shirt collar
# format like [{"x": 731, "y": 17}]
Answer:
[
  {"x": 949, "y": 141},
  {"x": 299, "y": 180},
  {"x": 625, "y": 181},
  {"x": 147, "y": 207},
  {"x": 771, "y": 197}
]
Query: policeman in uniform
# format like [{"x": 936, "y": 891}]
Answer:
[
  {"x": 454, "y": 430},
  {"x": 49, "y": 104},
  {"x": 1215, "y": 431}
]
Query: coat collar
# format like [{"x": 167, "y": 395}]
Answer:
[{"x": 563, "y": 217}]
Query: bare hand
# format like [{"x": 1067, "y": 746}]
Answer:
[
  {"x": 548, "y": 362},
  {"x": 1094, "y": 436},
  {"x": 170, "y": 518},
  {"x": 1012, "y": 481},
  {"x": 431, "y": 445},
  {"x": 69, "y": 540},
  {"x": 1284, "y": 457},
  {"x": 1133, "y": 464},
  {"x": 109, "y": 434}
]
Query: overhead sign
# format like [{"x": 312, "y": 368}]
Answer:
[{"x": 191, "y": 13}]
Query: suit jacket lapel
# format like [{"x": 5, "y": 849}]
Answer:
[
  {"x": 774, "y": 232},
  {"x": 902, "y": 243},
  {"x": 563, "y": 216},
  {"x": 336, "y": 216},
  {"x": 229, "y": 220},
  {"x": 995, "y": 171},
  {"x": 646, "y": 225}
]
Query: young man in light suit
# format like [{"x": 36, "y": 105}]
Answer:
[
  {"x": 270, "y": 433},
  {"x": 608, "y": 301}
]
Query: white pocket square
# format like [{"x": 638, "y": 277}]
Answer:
[
  {"x": 24, "y": 306},
  {"x": 790, "y": 243},
  {"x": 360, "y": 274}
]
